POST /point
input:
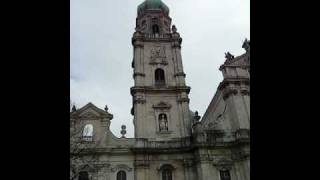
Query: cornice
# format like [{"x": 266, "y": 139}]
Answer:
[
  {"x": 138, "y": 74},
  {"x": 180, "y": 74},
  {"x": 172, "y": 89}
]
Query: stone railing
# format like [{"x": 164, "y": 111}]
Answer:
[
  {"x": 220, "y": 137},
  {"x": 157, "y": 36},
  {"x": 170, "y": 145}
]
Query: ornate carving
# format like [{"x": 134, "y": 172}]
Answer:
[
  {"x": 223, "y": 164},
  {"x": 246, "y": 45},
  {"x": 157, "y": 52},
  {"x": 229, "y": 91},
  {"x": 139, "y": 99}
]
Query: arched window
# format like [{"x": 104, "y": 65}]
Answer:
[
  {"x": 121, "y": 175},
  {"x": 166, "y": 174},
  {"x": 83, "y": 175},
  {"x": 87, "y": 132},
  {"x": 225, "y": 175},
  {"x": 159, "y": 77},
  {"x": 163, "y": 122},
  {"x": 155, "y": 29}
]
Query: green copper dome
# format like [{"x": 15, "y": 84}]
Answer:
[{"x": 153, "y": 4}]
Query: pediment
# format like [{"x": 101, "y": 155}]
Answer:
[
  {"x": 243, "y": 60},
  {"x": 121, "y": 167},
  {"x": 91, "y": 111}
]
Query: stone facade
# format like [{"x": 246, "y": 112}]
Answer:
[{"x": 171, "y": 142}]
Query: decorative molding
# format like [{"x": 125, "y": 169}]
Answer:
[
  {"x": 180, "y": 74},
  {"x": 161, "y": 61},
  {"x": 162, "y": 105},
  {"x": 121, "y": 167},
  {"x": 141, "y": 164},
  {"x": 245, "y": 92},
  {"x": 228, "y": 92},
  {"x": 139, "y": 99},
  {"x": 183, "y": 99},
  {"x": 138, "y": 74},
  {"x": 166, "y": 166},
  {"x": 164, "y": 132},
  {"x": 223, "y": 164},
  {"x": 169, "y": 89}
]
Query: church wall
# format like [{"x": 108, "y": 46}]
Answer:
[
  {"x": 116, "y": 163},
  {"x": 218, "y": 108}
]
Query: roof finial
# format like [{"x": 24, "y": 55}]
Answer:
[
  {"x": 106, "y": 108},
  {"x": 246, "y": 45},
  {"x": 123, "y": 131},
  {"x": 174, "y": 29},
  {"x": 196, "y": 116},
  {"x": 73, "y": 108}
]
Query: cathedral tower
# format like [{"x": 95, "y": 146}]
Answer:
[{"x": 160, "y": 95}]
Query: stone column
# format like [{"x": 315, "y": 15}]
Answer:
[
  {"x": 138, "y": 74},
  {"x": 180, "y": 76}
]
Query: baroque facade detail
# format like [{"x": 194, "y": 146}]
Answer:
[{"x": 171, "y": 142}]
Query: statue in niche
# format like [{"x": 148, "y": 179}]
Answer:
[{"x": 163, "y": 122}]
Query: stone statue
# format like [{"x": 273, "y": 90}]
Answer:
[
  {"x": 174, "y": 29},
  {"x": 106, "y": 108},
  {"x": 246, "y": 45},
  {"x": 229, "y": 56},
  {"x": 74, "y": 108},
  {"x": 163, "y": 122},
  {"x": 196, "y": 116}
]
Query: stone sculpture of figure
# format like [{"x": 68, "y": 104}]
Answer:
[
  {"x": 174, "y": 29},
  {"x": 246, "y": 45},
  {"x": 158, "y": 51},
  {"x": 74, "y": 108},
  {"x": 106, "y": 108},
  {"x": 229, "y": 56},
  {"x": 196, "y": 116},
  {"x": 163, "y": 122}
]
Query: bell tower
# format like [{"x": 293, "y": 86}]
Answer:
[{"x": 160, "y": 95}]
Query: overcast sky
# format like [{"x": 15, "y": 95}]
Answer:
[{"x": 101, "y": 50}]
